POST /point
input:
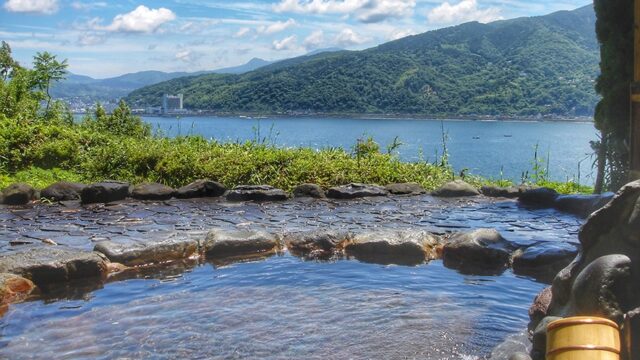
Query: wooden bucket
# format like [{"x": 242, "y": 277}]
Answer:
[{"x": 583, "y": 338}]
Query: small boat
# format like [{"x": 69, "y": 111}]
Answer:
[
  {"x": 476, "y": 137},
  {"x": 508, "y": 135}
]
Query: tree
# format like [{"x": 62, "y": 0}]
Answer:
[
  {"x": 47, "y": 69},
  {"x": 7, "y": 64}
]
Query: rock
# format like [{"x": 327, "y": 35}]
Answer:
[
  {"x": 520, "y": 356},
  {"x": 402, "y": 247},
  {"x": 105, "y": 192},
  {"x": 543, "y": 260},
  {"x": 457, "y": 188},
  {"x": 256, "y": 193},
  {"x": 632, "y": 338},
  {"x": 152, "y": 191},
  {"x": 540, "y": 197},
  {"x": 405, "y": 189},
  {"x": 14, "y": 288},
  {"x": 539, "y": 308},
  {"x": 19, "y": 194},
  {"x": 510, "y": 192},
  {"x": 133, "y": 253},
  {"x": 45, "y": 266},
  {"x": 62, "y": 191},
  {"x": 479, "y": 251},
  {"x": 355, "y": 190},
  {"x": 539, "y": 338},
  {"x": 309, "y": 190},
  {"x": 201, "y": 188},
  {"x": 319, "y": 244},
  {"x": 582, "y": 205},
  {"x": 221, "y": 244}
]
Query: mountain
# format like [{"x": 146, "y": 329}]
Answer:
[
  {"x": 253, "y": 64},
  {"x": 527, "y": 66}
]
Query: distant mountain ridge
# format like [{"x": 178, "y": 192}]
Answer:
[{"x": 543, "y": 65}]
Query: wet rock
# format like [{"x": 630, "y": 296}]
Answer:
[
  {"x": 356, "y": 190},
  {"x": 540, "y": 307},
  {"x": 582, "y": 205},
  {"x": 105, "y": 192},
  {"x": 542, "y": 197},
  {"x": 45, "y": 266},
  {"x": 221, "y": 243},
  {"x": 457, "y": 188},
  {"x": 62, "y": 191},
  {"x": 319, "y": 244},
  {"x": 309, "y": 190},
  {"x": 152, "y": 191},
  {"x": 19, "y": 194},
  {"x": 405, "y": 189},
  {"x": 14, "y": 288},
  {"x": 403, "y": 247},
  {"x": 201, "y": 188},
  {"x": 256, "y": 193},
  {"x": 133, "y": 253},
  {"x": 631, "y": 338},
  {"x": 510, "y": 192},
  {"x": 478, "y": 251},
  {"x": 520, "y": 356},
  {"x": 544, "y": 260},
  {"x": 539, "y": 338}
]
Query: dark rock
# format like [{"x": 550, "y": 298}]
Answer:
[
  {"x": 133, "y": 253},
  {"x": 105, "y": 192},
  {"x": 201, "y": 188},
  {"x": 309, "y": 190},
  {"x": 403, "y": 247},
  {"x": 541, "y": 197},
  {"x": 539, "y": 338},
  {"x": 582, "y": 205},
  {"x": 544, "y": 260},
  {"x": 19, "y": 194},
  {"x": 510, "y": 192},
  {"x": 355, "y": 190},
  {"x": 152, "y": 191},
  {"x": 317, "y": 244},
  {"x": 45, "y": 266},
  {"x": 631, "y": 335},
  {"x": 539, "y": 308},
  {"x": 405, "y": 189},
  {"x": 256, "y": 193},
  {"x": 62, "y": 191},
  {"x": 457, "y": 188},
  {"x": 221, "y": 243},
  {"x": 14, "y": 288},
  {"x": 479, "y": 251}
]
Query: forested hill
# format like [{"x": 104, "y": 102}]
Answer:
[{"x": 541, "y": 65}]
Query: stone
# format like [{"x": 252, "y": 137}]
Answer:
[
  {"x": 221, "y": 243},
  {"x": 19, "y": 194},
  {"x": 520, "y": 356},
  {"x": 256, "y": 193},
  {"x": 201, "y": 188},
  {"x": 135, "y": 253},
  {"x": 539, "y": 338},
  {"x": 539, "y": 197},
  {"x": 152, "y": 191},
  {"x": 479, "y": 251},
  {"x": 309, "y": 190},
  {"x": 582, "y": 205},
  {"x": 356, "y": 190},
  {"x": 318, "y": 244},
  {"x": 456, "y": 188},
  {"x": 14, "y": 288},
  {"x": 540, "y": 307},
  {"x": 50, "y": 265},
  {"x": 105, "y": 192},
  {"x": 410, "y": 188},
  {"x": 544, "y": 259},
  {"x": 510, "y": 192},
  {"x": 62, "y": 191},
  {"x": 402, "y": 247}
]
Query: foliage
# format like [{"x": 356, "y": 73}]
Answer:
[{"x": 47, "y": 70}]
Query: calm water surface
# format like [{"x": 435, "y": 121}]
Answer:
[
  {"x": 280, "y": 308},
  {"x": 487, "y": 148}
]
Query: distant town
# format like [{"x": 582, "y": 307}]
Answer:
[{"x": 171, "y": 105}]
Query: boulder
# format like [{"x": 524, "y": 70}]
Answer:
[
  {"x": 14, "y": 288},
  {"x": 457, "y": 188},
  {"x": 539, "y": 197},
  {"x": 319, "y": 244},
  {"x": 104, "y": 192},
  {"x": 479, "y": 251},
  {"x": 309, "y": 190},
  {"x": 543, "y": 260},
  {"x": 220, "y": 244},
  {"x": 152, "y": 191},
  {"x": 402, "y": 247},
  {"x": 19, "y": 194},
  {"x": 410, "y": 188},
  {"x": 540, "y": 306},
  {"x": 62, "y": 191},
  {"x": 355, "y": 190},
  {"x": 520, "y": 356},
  {"x": 201, "y": 188},
  {"x": 582, "y": 205},
  {"x": 134, "y": 253},
  {"x": 256, "y": 193},
  {"x": 510, "y": 192},
  {"x": 48, "y": 265}
]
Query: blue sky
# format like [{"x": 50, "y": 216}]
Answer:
[{"x": 108, "y": 38}]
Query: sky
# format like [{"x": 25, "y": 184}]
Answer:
[{"x": 109, "y": 38}]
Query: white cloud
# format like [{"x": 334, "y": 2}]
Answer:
[
  {"x": 188, "y": 56},
  {"x": 465, "y": 10},
  {"x": 141, "y": 20},
  {"x": 78, "y": 5},
  {"x": 368, "y": 11},
  {"x": 348, "y": 37},
  {"x": 242, "y": 32},
  {"x": 314, "y": 40},
  {"x": 400, "y": 33},
  {"x": 276, "y": 27},
  {"x": 32, "y": 6},
  {"x": 288, "y": 43},
  {"x": 88, "y": 39}
]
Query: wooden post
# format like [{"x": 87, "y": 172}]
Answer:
[{"x": 634, "y": 160}]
